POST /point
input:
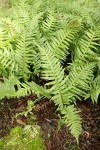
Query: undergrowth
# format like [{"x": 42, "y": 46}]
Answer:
[{"x": 57, "y": 41}]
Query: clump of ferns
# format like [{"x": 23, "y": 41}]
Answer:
[{"x": 55, "y": 42}]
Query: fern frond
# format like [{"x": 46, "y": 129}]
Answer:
[
  {"x": 77, "y": 83},
  {"x": 35, "y": 40},
  {"x": 3, "y": 37},
  {"x": 37, "y": 64},
  {"x": 8, "y": 33},
  {"x": 29, "y": 88},
  {"x": 38, "y": 89},
  {"x": 95, "y": 14},
  {"x": 50, "y": 24},
  {"x": 37, "y": 7},
  {"x": 24, "y": 54},
  {"x": 94, "y": 90},
  {"x": 53, "y": 72},
  {"x": 7, "y": 59},
  {"x": 21, "y": 11},
  {"x": 33, "y": 24},
  {"x": 8, "y": 90},
  {"x": 85, "y": 49},
  {"x": 60, "y": 43},
  {"x": 11, "y": 26},
  {"x": 72, "y": 119}
]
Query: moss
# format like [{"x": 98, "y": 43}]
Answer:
[
  {"x": 1, "y": 144},
  {"x": 17, "y": 130},
  {"x": 37, "y": 144},
  {"x": 26, "y": 139}
]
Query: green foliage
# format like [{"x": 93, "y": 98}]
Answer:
[
  {"x": 8, "y": 88},
  {"x": 57, "y": 41},
  {"x": 26, "y": 138},
  {"x": 1, "y": 144},
  {"x": 71, "y": 117},
  {"x": 94, "y": 90},
  {"x": 28, "y": 110}
]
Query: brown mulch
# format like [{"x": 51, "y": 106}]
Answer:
[
  {"x": 62, "y": 139},
  {"x": 56, "y": 137}
]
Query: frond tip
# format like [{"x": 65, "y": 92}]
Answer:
[{"x": 73, "y": 120}]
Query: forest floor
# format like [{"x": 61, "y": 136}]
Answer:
[{"x": 48, "y": 118}]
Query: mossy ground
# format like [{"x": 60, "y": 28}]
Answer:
[{"x": 27, "y": 138}]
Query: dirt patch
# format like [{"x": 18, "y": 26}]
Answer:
[
  {"x": 62, "y": 139},
  {"x": 48, "y": 119}
]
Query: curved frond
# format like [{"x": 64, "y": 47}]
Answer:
[
  {"x": 77, "y": 83},
  {"x": 7, "y": 59},
  {"x": 60, "y": 43},
  {"x": 50, "y": 24},
  {"x": 72, "y": 119},
  {"x": 53, "y": 72},
  {"x": 24, "y": 54},
  {"x": 8, "y": 90},
  {"x": 85, "y": 50}
]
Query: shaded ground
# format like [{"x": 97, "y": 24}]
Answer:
[{"x": 47, "y": 118}]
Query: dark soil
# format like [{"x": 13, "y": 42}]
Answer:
[{"x": 46, "y": 116}]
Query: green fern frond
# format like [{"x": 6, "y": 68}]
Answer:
[
  {"x": 77, "y": 83},
  {"x": 60, "y": 43},
  {"x": 50, "y": 24},
  {"x": 53, "y": 72},
  {"x": 3, "y": 37},
  {"x": 37, "y": 6},
  {"x": 33, "y": 24},
  {"x": 29, "y": 88},
  {"x": 37, "y": 64},
  {"x": 38, "y": 89},
  {"x": 8, "y": 90},
  {"x": 11, "y": 26},
  {"x": 24, "y": 54},
  {"x": 94, "y": 90},
  {"x": 95, "y": 14},
  {"x": 72, "y": 119},
  {"x": 7, "y": 59},
  {"x": 21, "y": 11},
  {"x": 9, "y": 32},
  {"x": 85, "y": 49}
]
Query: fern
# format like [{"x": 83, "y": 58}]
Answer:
[
  {"x": 50, "y": 23},
  {"x": 8, "y": 88},
  {"x": 77, "y": 83},
  {"x": 28, "y": 88},
  {"x": 11, "y": 26},
  {"x": 7, "y": 59},
  {"x": 87, "y": 46},
  {"x": 37, "y": 64},
  {"x": 94, "y": 90},
  {"x": 73, "y": 120},
  {"x": 60, "y": 43},
  {"x": 57, "y": 41},
  {"x": 24, "y": 54},
  {"x": 53, "y": 72}
]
